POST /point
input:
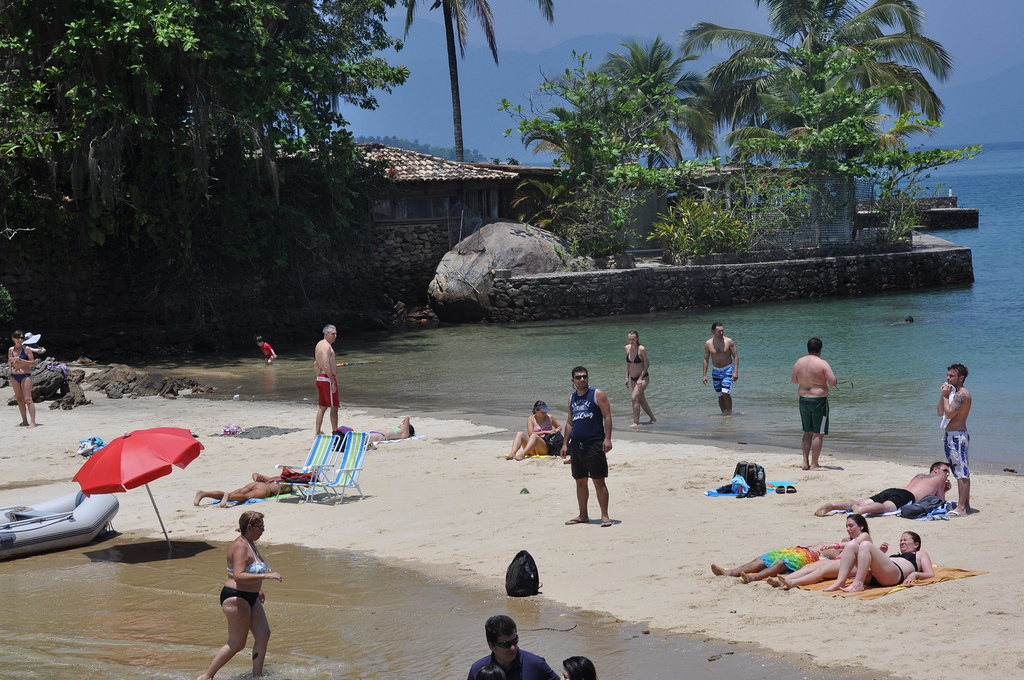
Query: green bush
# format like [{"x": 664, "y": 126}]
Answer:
[
  {"x": 6, "y": 305},
  {"x": 702, "y": 226}
]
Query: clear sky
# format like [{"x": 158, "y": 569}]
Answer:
[{"x": 982, "y": 35}]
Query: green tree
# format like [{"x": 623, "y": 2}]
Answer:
[
  {"x": 169, "y": 127},
  {"x": 850, "y": 27},
  {"x": 456, "y": 18},
  {"x": 655, "y": 65},
  {"x": 600, "y": 126}
]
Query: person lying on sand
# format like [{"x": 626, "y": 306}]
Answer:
[
  {"x": 935, "y": 483},
  {"x": 857, "y": 531},
  {"x": 799, "y": 560},
  {"x": 260, "y": 487},
  {"x": 403, "y": 431}
]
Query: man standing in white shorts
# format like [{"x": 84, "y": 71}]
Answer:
[{"x": 954, "y": 407}]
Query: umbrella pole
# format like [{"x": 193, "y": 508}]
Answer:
[{"x": 158, "y": 515}]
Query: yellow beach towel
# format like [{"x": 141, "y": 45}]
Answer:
[{"x": 872, "y": 592}]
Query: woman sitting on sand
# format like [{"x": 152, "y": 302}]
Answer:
[
  {"x": 910, "y": 564},
  {"x": 799, "y": 560},
  {"x": 828, "y": 566},
  {"x": 542, "y": 435}
]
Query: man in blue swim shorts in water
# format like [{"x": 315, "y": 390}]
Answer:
[
  {"x": 725, "y": 366},
  {"x": 813, "y": 376}
]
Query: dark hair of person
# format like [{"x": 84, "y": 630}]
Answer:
[
  {"x": 959, "y": 368},
  {"x": 633, "y": 332},
  {"x": 412, "y": 431},
  {"x": 716, "y": 325},
  {"x": 17, "y": 334},
  {"x": 814, "y": 346},
  {"x": 259, "y": 339},
  {"x": 580, "y": 668},
  {"x": 937, "y": 464},
  {"x": 247, "y": 519},
  {"x": 579, "y": 369},
  {"x": 861, "y": 522},
  {"x": 498, "y": 626},
  {"x": 491, "y": 671},
  {"x": 915, "y": 537}
]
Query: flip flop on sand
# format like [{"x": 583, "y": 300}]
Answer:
[
  {"x": 606, "y": 523},
  {"x": 956, "y": 513},
  {"x": 577, "y": 520},
  {"x": 790, "y": 489}
]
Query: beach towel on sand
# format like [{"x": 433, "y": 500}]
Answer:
[
  {"x": 771, "y": 487},
  {"x": 873, "y": 592}
]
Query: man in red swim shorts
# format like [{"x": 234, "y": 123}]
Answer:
[{"x": 327, "y": 378}]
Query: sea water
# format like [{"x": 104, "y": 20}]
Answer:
[{"x": 889, "y": 372}]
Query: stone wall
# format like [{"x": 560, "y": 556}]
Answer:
[
  {"x": 407, "y": 255},
  {"x": 949, "y": 218},
  {"x": 631, "y": 291}
]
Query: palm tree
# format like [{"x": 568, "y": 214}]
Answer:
[
  {"x": 456, "y": 13},
  {"x": 655, "y": 66},
  {"x": 814, "y": 27}
]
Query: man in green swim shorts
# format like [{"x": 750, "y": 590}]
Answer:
[{"x": 813, "y": 376}]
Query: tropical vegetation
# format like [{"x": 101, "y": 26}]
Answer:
[{"x": 186, "y": 137}]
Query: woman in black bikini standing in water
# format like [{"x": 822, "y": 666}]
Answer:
[
  {"x": 887, "y": 571},
  {"x": 242, "y": 597},
  {"x": 638, "y": 377},
  {"x": 21, "y": 361}
]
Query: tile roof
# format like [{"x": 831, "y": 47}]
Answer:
[{"x": 412, "y": 166}]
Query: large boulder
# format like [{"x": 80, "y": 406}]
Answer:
[{"x": 460, "y": 290}]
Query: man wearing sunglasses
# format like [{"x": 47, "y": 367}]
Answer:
[
  {"x": 588, "y": 439},
  {"x": 518, "y": 664}
]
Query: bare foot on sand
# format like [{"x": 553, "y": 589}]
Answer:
[
  {"x": 717, "y": 570},
  {"x": 818, "y": 468},
  {"x": 774, "y": 582},
  {"x": 224, "y": 500},
  {"x": 785, "y": 584},
  {"x": 634, "y": 424},
  {"x": 199, "y": 497},
  {"x": 824, "y": 510},
  {"x": 748, "y": 578},
  {"x": 832, "y": 588},
  {"x": 853, "y": 588},
  {"x": 257, "y": 477}
]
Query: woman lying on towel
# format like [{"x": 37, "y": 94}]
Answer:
[
  {"x": 260, "y": 487},
  {"x": 800, "y": 560},
  {"x": 828, "y": 566},
  {"x": 874, "y": 568}
]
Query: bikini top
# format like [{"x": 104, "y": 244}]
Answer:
[
  {"x": 258, "y": 566},
  {"x": 10, "y": 353},
  {"x": 537, "y": 428},
  {"x": 637, "y": 360},
  {"x": 909, "y": 557}
]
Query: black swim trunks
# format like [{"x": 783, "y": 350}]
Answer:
[
  {"x": 898, "y": 497},
  {"x": 588, "y": 459}
]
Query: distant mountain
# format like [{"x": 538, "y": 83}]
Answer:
[
  {"x": 983, "y": 111},
  {"x": 446, "y": 152},
  {"x": 978, "y": 112}
]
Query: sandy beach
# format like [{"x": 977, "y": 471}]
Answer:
[{"x": 448, "y": 504}]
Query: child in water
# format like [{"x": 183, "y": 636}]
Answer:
[{"x": 268, "y": 351}]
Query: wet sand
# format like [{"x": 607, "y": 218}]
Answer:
[
  {"x": 447, "y": 507},
  {"x": 138, "y": 613}
]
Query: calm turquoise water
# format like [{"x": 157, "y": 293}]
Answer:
[{"x": 889, "y": 374}]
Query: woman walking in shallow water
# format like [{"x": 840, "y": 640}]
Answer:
[
  {"x": 242, "y": 597},
  {"x": 638, "y": 377},
  {"x": 21, "y": 361}
]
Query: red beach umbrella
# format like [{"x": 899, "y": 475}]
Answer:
[{"x": 136, "y": 459}]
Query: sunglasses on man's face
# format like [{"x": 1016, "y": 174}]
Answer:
[
  {"x": 579, "y": 377},
  {"x": 508, "y": 644}
]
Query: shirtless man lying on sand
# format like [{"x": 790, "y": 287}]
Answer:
[
  {"x": 260, "y": 487},
  {"x": 936, "y": 483}
]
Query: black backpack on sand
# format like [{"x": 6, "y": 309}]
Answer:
[
  {"x": 753, "y": 474},
  {"x": 522, "y": 578}
]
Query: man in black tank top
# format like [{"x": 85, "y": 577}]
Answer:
[{"x": 588, "y": 437}]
